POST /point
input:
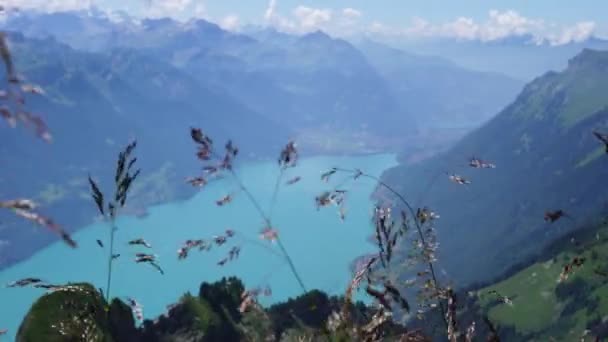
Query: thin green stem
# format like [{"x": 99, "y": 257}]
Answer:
[
  {"x": 110, "y": 260},
  {"x": 416, "y": 222},
  {"x": 260, "y": 244},
  {"x": 269, "y": 225},
  {"x": 266, "y": 218},
  {"x": 291, "y": 264},
  {"x": 275, "y": 193}
]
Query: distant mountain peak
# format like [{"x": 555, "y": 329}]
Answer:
[
  {"x": 157, "y": 23},
  {"x": 317, "y": 35},
  {"x": 589, "y": 58},
  {"x": 201, "y": 24}
]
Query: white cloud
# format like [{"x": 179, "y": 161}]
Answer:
[
  {"x": 508, "y": 23},
  {"x": 273, "y": 18},
  {"x": 118, "y": 16},
  {"x": 303, "y": 19},
  {"x": 270, "y": 10},
  {"x": 200, "y": 11},
  {"x": 230, "y": 23},
  {"x": 464, "y": 28},
  {"x": 166, "y": 8},
  {"x": 312, "y": 18},
  {"x": 577, "y": 33},
  {"x": 351, "y": 13},
  {"x": 347, "y": 22},
  {"x": 377, "y": 27},
  {"x": 499, "y": 25},
  {"x": 419, "y": 27},
  {"x": 47, "y": 5}
]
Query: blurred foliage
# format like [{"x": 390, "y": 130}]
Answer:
[
  {"x": 211, "y": 316},
  {"x": 67, "y": 316}
]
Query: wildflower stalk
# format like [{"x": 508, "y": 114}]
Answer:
[
  {"x": 416, "y": 222},
  {"x": 123, "y": 182},
  {"x": 268, "y": 223},
  {"x": 206, "y": 152}
]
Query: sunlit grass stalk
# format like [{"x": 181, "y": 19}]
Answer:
[
  {"x": 287, "y": 159},
  {"x": 416, "y": 222},
  {"x": 257, "y": 242},
  {"x": 268, "y": 223}
]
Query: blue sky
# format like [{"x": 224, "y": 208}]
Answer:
[{"x": 558, "y": 21}]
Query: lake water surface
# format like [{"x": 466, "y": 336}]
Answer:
[{"x": 320, "y": 244}]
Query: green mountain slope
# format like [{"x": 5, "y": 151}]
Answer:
[
  {"x": 547, "y": 159},
  {"x": 543, "y": 307}
]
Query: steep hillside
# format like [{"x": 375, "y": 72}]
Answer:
[
  {"x": 543, "y": 304},
  {"x": 547, "y": 159},
  {"x": 544, "y": 308}
]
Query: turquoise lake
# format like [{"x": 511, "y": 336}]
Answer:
[{"x": 320, "y": 244}]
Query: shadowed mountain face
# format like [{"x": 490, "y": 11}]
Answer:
[
  {"x": 93, "y": 105},
  {"x": 547, "y": 159},
  {"x": 313, "y": 81}
]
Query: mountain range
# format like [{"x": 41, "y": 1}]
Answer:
[
  {"x": 314, "y": 80},
  {"x": 460, "y": 97},
  {"x": 520, "y": 57}
]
